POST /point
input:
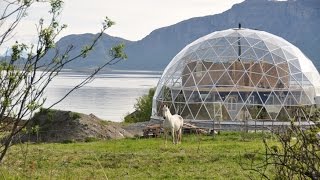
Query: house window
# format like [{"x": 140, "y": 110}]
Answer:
[{"x": 232, "y": 103}]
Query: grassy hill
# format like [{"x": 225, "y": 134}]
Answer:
[{"x": 198, "y": 157}]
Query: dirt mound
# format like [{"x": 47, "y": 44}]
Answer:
[{"x": 65, "y": 126}]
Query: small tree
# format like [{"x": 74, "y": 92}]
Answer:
[
  {"x": 22, "y": 84},
  {"x": 143, "y": 108}
]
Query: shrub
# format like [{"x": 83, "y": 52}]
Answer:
[{"x": 143, "y": 108}]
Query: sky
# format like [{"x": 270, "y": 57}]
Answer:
[{"x": 134, "y": 19}]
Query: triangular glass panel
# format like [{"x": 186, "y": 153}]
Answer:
[
  {"x": 206, "y": 81},
  {"x": 232, "y": 110},
  {"x": 283, "y": 83},
  {"x": 267, "y": 58},
  {"x": 288, "y": 55},
  {"x": 273, "y": 100},
  {"x": 192, "y": 66},
  {"x": 243, "y": 96},
  {"x": 222, "y": 42},
  {"x": 260, "y": 52},
  {"x": 218, "y": 50},
  {"x": 188, "y": 81},
  {"x": 296, "y": 63},
  {"x": 171, "y": 107},
  {"x": 187, "y": 94},
  {"x": 225, "y": 80},
  {"x": 180, "y": 97},
  {"x": 229, "y": 52},
  {"x": 249, "y": 54},
  {"x": 194, "y": 108},
  {"x": 213, "y": 96},
  {"x": 296, "y": 79},
  {"x": 277, "y": 84},
  {"x": 235, "y": 76},
  {"x": 192, "y": 57},
  {"x": 263, "y": 114},
  {"x": 253, "y": 110},
  {"x": 242, "y": 42},
  {"x": 255, "y": 78},
  {"x": 240, "y": 49},
  {"x": 272, "y": 71},
  {"x": 271, "y": 46},
  {"x": 261, "y": 45},
  {"x": 277, "y": 59},
  {"x": 175, "y": 93},
  {"x": 273, "y": 110},
  {"x": 186, "y": 113},
  {"x": 254, "y": 98},
  {"x": 207, "y": 65},
  {"x": 225, "y": 113},
  {"x": 210, "y": 108},
  {"x": 283, "y": 115},
  {"x": 214, "y": 41},
  {"x": 304, "y": 99},
  {"x": 254, "y": 36},
  {"x": 194, "y": 47},
  {"x": 264, "y": 83},
  {"x": 217, "y": 66},
  {"x": 204, "y": 45},
  {"x": 167, "y": 95},
  {"x": 281, "y": 72},
  {"x": 232, "y": 39},
  {"x": 252, "y": 41},
  {"x": 195, "y": 97},
  {"x": 179, "y": 107},
  {"x": 290, "y": 100},
  {"x": 305, "y": 81},
  {"x": 200, "y": 53},
  {"x": 255, "y": 67},
  {"x": 264, "y": 96},
  {"x": 279, "y": 53},
  {"x": 245, "y": 80},
  {"x": 210, "y": 56},
  {"x": 219, "y": 110},
  {"x": 215, "y": 75},
  {"x": 203, "y": 114},
  {"x": 272, "y": 81},
  {"x": 243, "y": 114}
]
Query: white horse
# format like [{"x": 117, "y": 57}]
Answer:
[{"x": 172, "y": 123}]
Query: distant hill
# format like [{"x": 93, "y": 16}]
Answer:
[{"x": 298, "y": 21}]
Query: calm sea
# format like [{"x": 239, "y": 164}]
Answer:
[{"x": 109, "y": 96}]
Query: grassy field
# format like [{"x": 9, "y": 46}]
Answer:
[{"x": 198, "y": 157}]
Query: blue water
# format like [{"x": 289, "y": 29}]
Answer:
[{"x": 109, "y": 96}]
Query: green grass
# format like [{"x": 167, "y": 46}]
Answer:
[{"x": 198, "y": 157}]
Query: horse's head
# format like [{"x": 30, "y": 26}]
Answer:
[{"x": 165, "y": 109}]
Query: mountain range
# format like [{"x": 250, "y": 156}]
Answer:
[{"x": 297, "y": 21}]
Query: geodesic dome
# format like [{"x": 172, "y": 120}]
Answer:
[{"x": 238, "y": 74}]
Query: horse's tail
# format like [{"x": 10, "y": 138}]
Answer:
[{"x": 181, "y": 120}]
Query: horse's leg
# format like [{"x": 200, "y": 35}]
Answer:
[
  {"x": 165, "y": 136},
  {"x": 180, "y": 135},
  {"x": 172, "y": 133}
]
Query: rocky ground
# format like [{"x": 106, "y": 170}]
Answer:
[{"x": 65, "y": 126}]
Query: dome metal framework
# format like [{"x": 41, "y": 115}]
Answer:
[{"x": 238, "y": 74}]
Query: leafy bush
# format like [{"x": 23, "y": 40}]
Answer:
[{"x": 143, "y": 108}]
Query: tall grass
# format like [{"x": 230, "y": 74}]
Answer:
[{"x": 198, "y": 157}]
